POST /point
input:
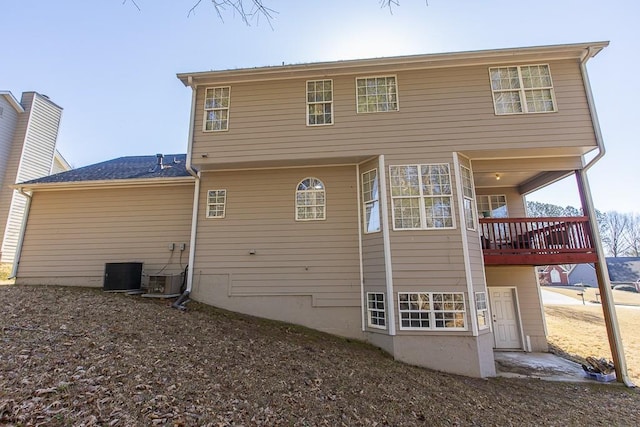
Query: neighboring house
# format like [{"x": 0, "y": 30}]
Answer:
[
  {"x": 28, "y": 133},
  {"x": 553, "y": 275},
  {"x": 622, "y": 271},
  {"x": 344, "y": 196}
]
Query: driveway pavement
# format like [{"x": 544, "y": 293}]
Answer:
[{"x": 554, "y": 298}]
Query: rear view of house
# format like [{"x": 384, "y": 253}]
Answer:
[
  {"x": 28, "y": 133},
  {"x": 381, "y": 199}
]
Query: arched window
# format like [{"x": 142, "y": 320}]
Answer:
[
  {"x": 310, "y": 200},
  {"x": 555, "y": 276}
]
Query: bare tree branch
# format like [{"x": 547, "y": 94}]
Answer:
[
  {"x": 248, "y": 10},
  {"x": 134, "y": 3}
]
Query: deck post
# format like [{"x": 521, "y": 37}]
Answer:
[{"x": 602, "y": 275}]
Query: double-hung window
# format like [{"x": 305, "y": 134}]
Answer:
[
  {"x": 319, "y": 102},
  {"x": 432, "y": 310},
  {"x": 376, "y": 311},
  {"x": 467, "y": 194},
  {"x": 310, "y": 200},
  {"x": 482, "y": 310},
  {"x": 216, "y": 108},
  {"x": 216, "y": 202},
  {"x": 376, "y": 94},
  {"x": 522, "y": 89},
  {"x": 370, "y": 201},
  {"x": 493, "y": 206},
  {"x": 421, "y": 196}
]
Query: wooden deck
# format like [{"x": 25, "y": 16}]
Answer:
[{"x": 536, "y": 241}]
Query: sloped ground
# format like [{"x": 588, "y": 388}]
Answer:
[{"x": 82, "y": 357}]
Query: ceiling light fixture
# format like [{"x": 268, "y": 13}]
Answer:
[{"x": 497, "y": 177}]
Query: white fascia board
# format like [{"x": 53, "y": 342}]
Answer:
[
  {"x": 12, "y": 100},
  {"x": 113, "y": 183}
]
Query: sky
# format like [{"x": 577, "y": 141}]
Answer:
[{"x": 113, "y": 67}]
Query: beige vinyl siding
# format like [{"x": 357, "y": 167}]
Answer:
[
  {"x": 8, "y": 123},
  {"x": 71, "y": 234},
  {"x": 37, "y": 147},
  {"x": 442, "y": 109},
  {"x": 306, "y": 272}
]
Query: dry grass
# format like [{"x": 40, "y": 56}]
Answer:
[
  {"x": 619, "y": 297},
  {"x": 578, "y": 331},
  {"x": 5, "y": 271},
  {"x": 81, "y": 357}
]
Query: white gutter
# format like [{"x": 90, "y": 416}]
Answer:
[
  {"x": 608, "y": 305},
  {"x": 362, "y": 300},
  {"x": 387, "y": 246},
  {"x": 23, "y": 228},
  {"x": 196, "y": 191}
]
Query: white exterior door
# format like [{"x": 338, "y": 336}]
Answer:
[{"x": 506, "y": 328}]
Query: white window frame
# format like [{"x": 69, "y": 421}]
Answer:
[
  {"x": 468, "y": 198},
  {"x": 387, "y": 94},
  {"x": 482, "y": 310},
  {"x": 376, "y": 310},
  {"x": 429, "y": 309},
  {"x": 214, "y": 108},
  {"x": 489, "y": 202},
  {"x": 421, "y": 197},
  {"x": 213, "y": 213},
  {"x": 322, "y": 102},
  {"x": 522, "y": 91},
  {"x": 314, "y": 192},
  {"x": 371, "y": 186}
]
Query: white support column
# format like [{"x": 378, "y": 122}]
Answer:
[{"x": 384, "y": 216}]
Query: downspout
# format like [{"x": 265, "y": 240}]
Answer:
[
  {"x": 362, "y": 300},
  {"x": 602, "y": 272},
  {"x": 184, "y": 298},
  {"x": 23, "y": 228}
]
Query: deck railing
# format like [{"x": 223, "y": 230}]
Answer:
[{"x": 536, "y": 241}]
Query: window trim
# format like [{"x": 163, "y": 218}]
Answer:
[
  {"x": 370, "y": 310},
  {"x": 423, "y": 217},
  {"x": 489, "y": 196},
  {"x": 386, "y": 76},
  {"x": 484, "y": 311},
  {"x": 374, "y": 202},
  {"x": 205, "y": 110},
  {"x": 432, "y": 313},
  {"x": 471, "y": 199},
  {"x": 224, "y": 204},
  {"x": 522, "y": 91},
  {"x": 324, "y": 205},
  {"x": 315, "y": 103}
]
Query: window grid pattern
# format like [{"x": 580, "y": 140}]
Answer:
[
  {"x": 376, "y": 310},
  {"x": 216, "y": 202},
  {"x": 310, "y": 200},
  {"x": 467, "y": 193},
  {"x": 482, "y": 310},
  {"x": 376, "y": 94},
  {"x": 421, "y": 196},
  {"x": 522, "y": 89},
  {"x": 493, "y": 206},
  {"x": 319, "y": 102},
  {"x": 432, "y": 310},
  {"x": 216, "y": 108},
  {"x": 370, "y": 200}
]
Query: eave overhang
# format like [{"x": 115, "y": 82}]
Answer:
[
  {"x": 12, "y": 100},
  {"x": 103, "y": 184},
  {"x": 576, "y": 51}
]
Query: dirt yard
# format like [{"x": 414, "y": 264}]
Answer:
[
  {"x": 578, "y": 331},
  {"x": 82, "y": 357}
]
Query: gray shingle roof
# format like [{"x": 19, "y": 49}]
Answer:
[
  {"x": 132, "y": 167},
  {"x": 624, "y": 269}
]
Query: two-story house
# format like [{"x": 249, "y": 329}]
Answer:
[
  {"x": 28, "y": 133},
  {"x": 381, "y": 199}
]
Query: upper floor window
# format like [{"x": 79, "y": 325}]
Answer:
[
  {"x": 522, "y": 89},
  {"x": 216, "y": 201},
  {"x": 467, "y": 194},
  {"x": 370, "y": 200},
  {"x": 421, "y": 196},
  {"x": 493, "y": 206},
  {"x": 216, "y": 108},
  {"x": 377, "y": 94},
  {"x": 310, "y": 200},
  {"x": 319, "y": 102}
]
